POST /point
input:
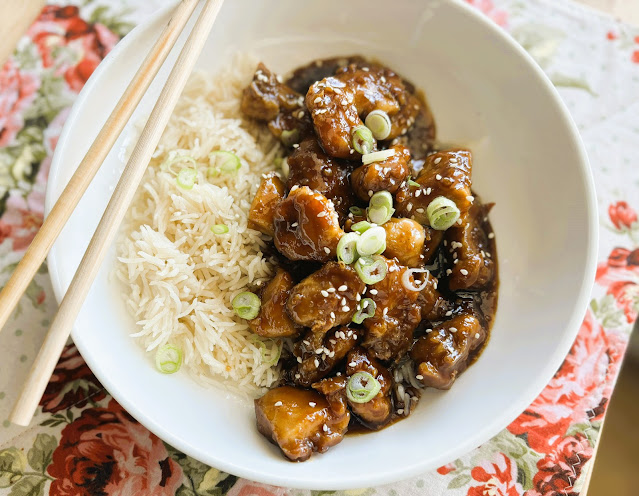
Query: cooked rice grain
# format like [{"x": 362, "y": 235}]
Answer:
[{"x": 179, "y": 277}]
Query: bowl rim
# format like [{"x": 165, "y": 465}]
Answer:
[{"x": 500, "y": 422}]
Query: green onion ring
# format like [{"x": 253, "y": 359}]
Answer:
[
  {"x": 442, "y": 213},
  {"x": 290, "y": 136},
  {"x": 356, "y": 210},
  {"x": 220, "y": 229},
  {"x": 362, "y": 387},
  {"x": 168, "y": 359},
  {"x": 186, "y": 178},
  {"x": 371, "y": 270},
  {"x": 224, "y": 161},
  {"x": 379, "y": 123},
  {"x": 361, "y": 226},
  {"x": 347, "y": 248},
  {"x": 365, "y": 310},
  {"x": 363, "y": 140},
  {"x": 380, "y": 207},
  {"x": 372, "y": 241},
  {"x": 247, "y": 305}
]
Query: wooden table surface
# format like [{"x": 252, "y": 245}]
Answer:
[{"x": 16, "y": 16}]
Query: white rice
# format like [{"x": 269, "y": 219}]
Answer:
[{"x": 179, "y": 277}]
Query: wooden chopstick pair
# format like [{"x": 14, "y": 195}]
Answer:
[{"x": 120, "y": 200}]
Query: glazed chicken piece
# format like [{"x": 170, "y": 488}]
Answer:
[
  {"x": 421, "y": 135},
  {"x": 386, "y": 175},
  {"x": 405, "y": 241},
  {"x": 444, "y": 174},
  {"x": 262, "y": 211},
  {"x": 389, "y": 332},
  {"x": 338, "y": 103},
  {"x": 442, "y": 354},
  {"x": 310, "y": 166},
  {"x": 326, "y": 298},
  {"x": 469, "y": 249},
  {"x": 320, "y": 358},
  {"x": 266, "y": 99},
  {"x": 300, "y": 421},
  {"x": 306, "y": 226},
  {"x": 273, "y": 321},
  {"x": 376, "y": 412},
  {"x": 432, "y": 240},
  {"x": 334, "y": 390},
  {"x": 303, "y": 77}
]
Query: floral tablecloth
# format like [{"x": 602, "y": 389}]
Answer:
[{"x": 83, "y": 443}]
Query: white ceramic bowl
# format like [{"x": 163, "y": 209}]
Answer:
[{"x": 486, "y": 93}]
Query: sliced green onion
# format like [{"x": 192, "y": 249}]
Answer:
[
  {"x": 413, "y": 183},
  {"x": 379, "y": 123},
  {"x": 186, "y": 178},
  {"x": 356, "y": 210},
  {"x": 361, "y": 226},
  {"x": 365, "y": 310},
  {"x": 224, "y": 161},
  {"x": 362, "y": 387},
  {"x": 347, "y": 248},
  {"x": 247, "y": 305},
  {"x": 380, "y": 208},
  {"x": 379, "y": 156},
  {"x": 371, "y": 270},
  {"x": 372, "y": 241},
  {"x": 168, "y": 359},
  {"x": 264, "y": 351},
  {"x": 220, "y": 229},
  {"x": 290, "y": 136},
  {"x": 363, "y": 140},
  {"x": 442, "y": 213},
  {"x": 175, "y": 158}
]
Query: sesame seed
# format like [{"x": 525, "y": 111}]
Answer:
[
  {"x": 343, "y": 301},
  {"x": 438, "y": 177},
  {"x": 445, "y": 243},
  {"x": 459, "y": 221},
  {"x": 325, "y": 428},
  {"x": 295, "y": 186},
  {"x": 352, "y": 364},
  {"x": 400, "y": 411},
  {"x": 327, "y": 250},
  {"x": 419, "y": 377},
  {"x": 318, "y": 351},
  {"x": 306, "y": 342},
  {"x": 365, "y": 69},
  {"x": 449, "y": 313},
  {"x": 322, "y": 214},
  {"x": 299, "y": 359},
  {"x": 316, "y": 362},
  {"x": 370, "y": 192},
  {"x": 455, "y": 255},
  {"x": 332, "y": 315},
  {"x": 437, "y": 160},
  {"x": 419, "y": 210},
  {"x": 453, "y": 329},
  {"x": 358, "y": 297},
  {"x": 428, "y": 190},
  {"x": 297, "y": 376},
  {"x": 344, "y": 101},
  {"x": 383, "y": 79},
  {"x": 355, "y": 337},
  {"x": 331, "y": 290},
  {"x": 453, "y": 160},
  {"x": 470, "y": 198},
  {"x": 491, "y": 235},
  {"x": 448, "y": 272},
  {"x": 296, "y": 145},
  {"x": 294, "y": 224},
  {"x": 435, "y": 285},
  {"x": 488, "y": 254},
  {"x": 346, "y": 308},
  {"x": 300, "y": 114},
  {"x": 455, "y": 261},
  {"x": 373, "y": 291},
  {"x": 385, "y": 311},
  {"x": 277, "y": 403},
  {"x": 312, "y": 403},
  {"x": 343, "y": 287},
  {"x": 324, "y": 293},
  {"x": 317, "y": 99},
  {"x": 418, "y": 192},
  {"x": 351, "y": 151},
  {"x": 409, "y": 207},
  {"x": 338, "y": 374},
  {"x": 476, "y": 335},
  {"x": 463, "y": 272}
]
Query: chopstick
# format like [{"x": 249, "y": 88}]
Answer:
[
  {"x": 109, "y": 223},
  {"x": 61, "y": 211}
]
